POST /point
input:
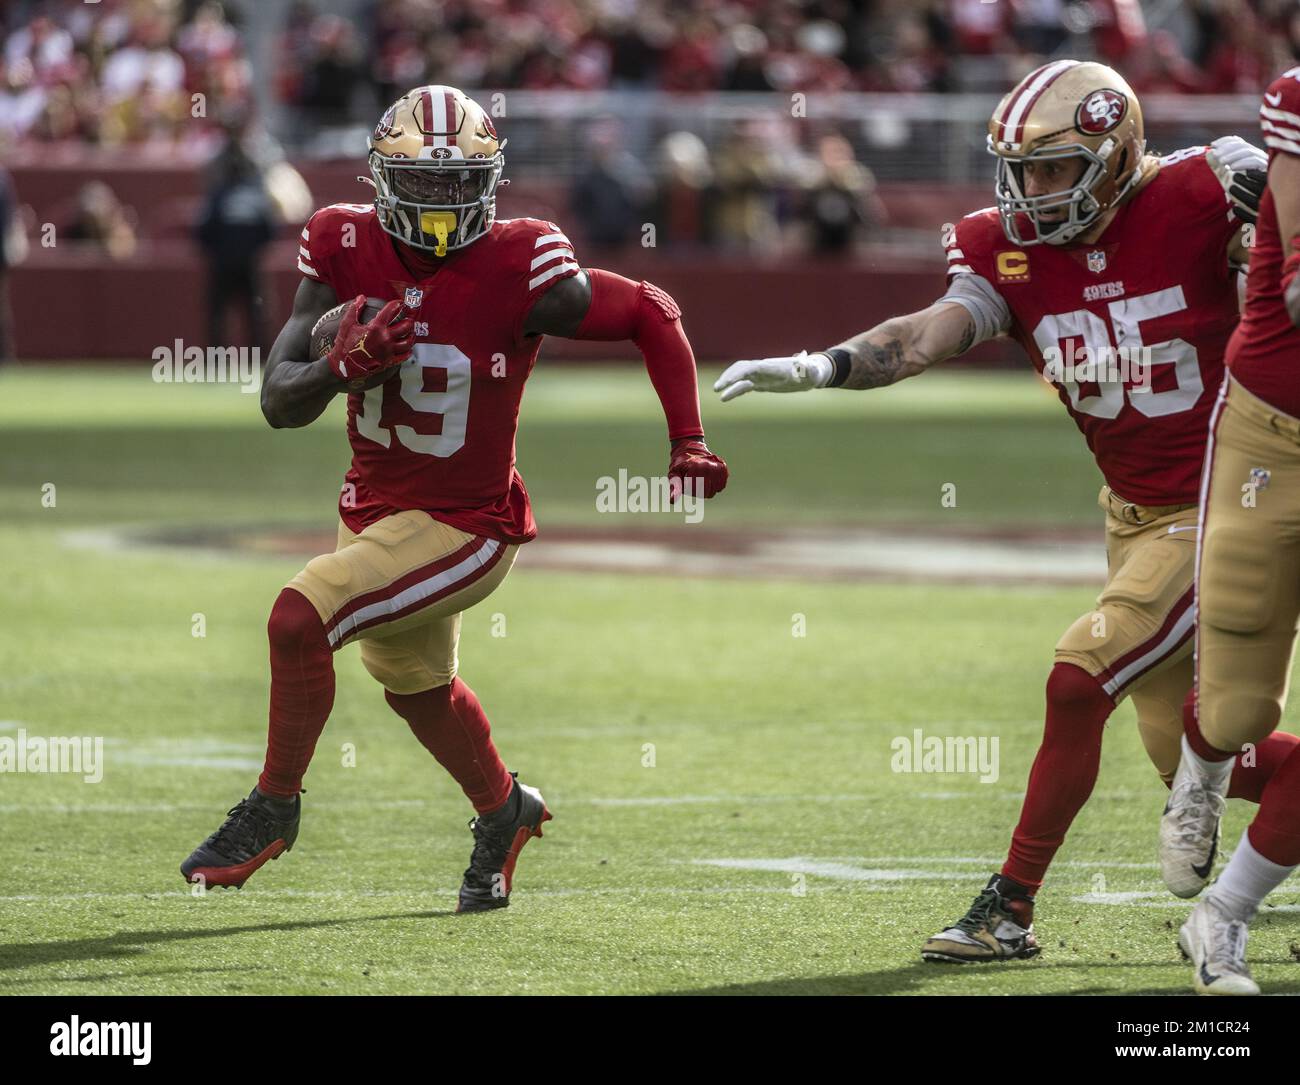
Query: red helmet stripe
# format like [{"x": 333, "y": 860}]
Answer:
[
  {"x": 426, "y": 101},
  {"x": 1033, "y": 86},
  {"x": 451, "y": 118}
]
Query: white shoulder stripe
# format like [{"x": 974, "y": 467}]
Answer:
[
  {"x": 548, "y": 238},
  {"x": 548, "y": 256},
  {"x": 304, "y": 253},
  {"x": 1279, "y": 115},
  {"x": 307, "y": 270},
  {"x": 955, "y": 254},
  {"x": 550, "y": 273},
  {"x": 964, "y": 269},
  {"x": 1288, "y": 145},
  {"x": 1281, "y": 130}
]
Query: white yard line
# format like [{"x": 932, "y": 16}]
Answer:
[{"x": 822, "y": 869}]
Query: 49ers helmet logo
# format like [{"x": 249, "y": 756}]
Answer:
[
  {"x": 1101, "y": 111},
  {"x": 385, "y": 127}
]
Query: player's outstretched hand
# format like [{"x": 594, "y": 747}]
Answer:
[
  {"x": 797, "y": 373},
  {"x": 692, "y": 460},
  {"x": 1242, "y": 170},
  {"x": 362, "y": 350}
]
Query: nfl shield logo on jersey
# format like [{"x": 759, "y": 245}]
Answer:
[
  {"x": 1096, "y": 262},
  {"x": 414, "y": 296}
]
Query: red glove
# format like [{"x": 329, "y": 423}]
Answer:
[
  {"x": 693, "y": 460},
  {"x": 362, "y": 350}
]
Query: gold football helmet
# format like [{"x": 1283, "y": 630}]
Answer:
[
  {"x": 1066, "y": 109},
  {"x": 436, "y": 163}
]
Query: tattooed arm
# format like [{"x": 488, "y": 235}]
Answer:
[
  {"x": 897, "y": 348},
  {"x": 905, "y": 346}
]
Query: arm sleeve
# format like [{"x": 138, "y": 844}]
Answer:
[
  {"x": 641, "y": 312},
  {"x": 969, "y": 286},
  {"x": 987, "y": 307}
]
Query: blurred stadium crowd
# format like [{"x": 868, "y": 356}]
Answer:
[
  {"x": 674, "y": 98},
  {"x": 124, "y": 71}
]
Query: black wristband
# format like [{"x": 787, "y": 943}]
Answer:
[{"x": 843, "y": 364}]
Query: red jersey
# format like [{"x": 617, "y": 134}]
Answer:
[
  {"x": 1264, "y": 355},
  {"x": 439, "y": 435},
  {"x": 1157, "y": 278}
]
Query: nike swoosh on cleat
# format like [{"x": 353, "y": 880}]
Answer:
[
  {"x": 1207, "y": 977},
  {"x": 1203, "y": 871}
]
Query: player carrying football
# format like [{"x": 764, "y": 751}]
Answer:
[
  {"x": 1248, "y": 589},
  {"x": 1094, "y": 245},
  {"x": 432, "y": 509}
]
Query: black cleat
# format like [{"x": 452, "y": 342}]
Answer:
[
  {"x": 254, "y": 832},
  {"x": 998, "y": 927},
  {"x": 498, "y": 839}
]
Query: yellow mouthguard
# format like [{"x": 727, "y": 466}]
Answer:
[{"x": 440, "y": 224}]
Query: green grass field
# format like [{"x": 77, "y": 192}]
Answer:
[{"x": 769, "y": 848}]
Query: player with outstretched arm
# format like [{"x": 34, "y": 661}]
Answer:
[
  {"x": 1094, "y": 245},
  {"x": 432, "y": 511}
]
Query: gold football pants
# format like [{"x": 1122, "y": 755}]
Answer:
[
  {"x": 1248, "y": 580},
  {"x": 1138, "y": 641},
  {"x": 399, "y": 588}
]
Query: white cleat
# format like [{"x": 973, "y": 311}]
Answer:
[
  {"x": 1189, "y": 829},
  {"x": 1216, "y": 946}
]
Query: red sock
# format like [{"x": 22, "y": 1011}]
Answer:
[
  {"x": 302, "y": 692},
  {"x": 1250, "y": 781},
  {"x": 1275, "y": 832},
  {"x": 452, "y": 726},
  {"x": 1196, "y": 740},
  {"x": 1063, "y": 774}
]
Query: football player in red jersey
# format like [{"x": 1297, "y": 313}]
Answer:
[
  {"x": 1248, "y": 588},
  {"x": 432, "y": 510},
  {"x": 1093, "y": 245}
]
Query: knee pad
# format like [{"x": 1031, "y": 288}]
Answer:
[
  {"x": 294, "y": 623},
  {"x": 1071, "y": 689},
  {"x": 1232, "y": 719}
]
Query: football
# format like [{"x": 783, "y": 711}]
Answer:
[{"x": 327, "y": 327}]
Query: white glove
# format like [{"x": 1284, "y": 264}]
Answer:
[
  {"x": 1242, "y": 170},
  {"x": 1232, "y": 154},
  {"x": 800, "y": 372}
]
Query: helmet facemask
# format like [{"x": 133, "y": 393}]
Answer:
[
  {"x": 1084, "y": 202},
  {"x": 436, "y": 204}
]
